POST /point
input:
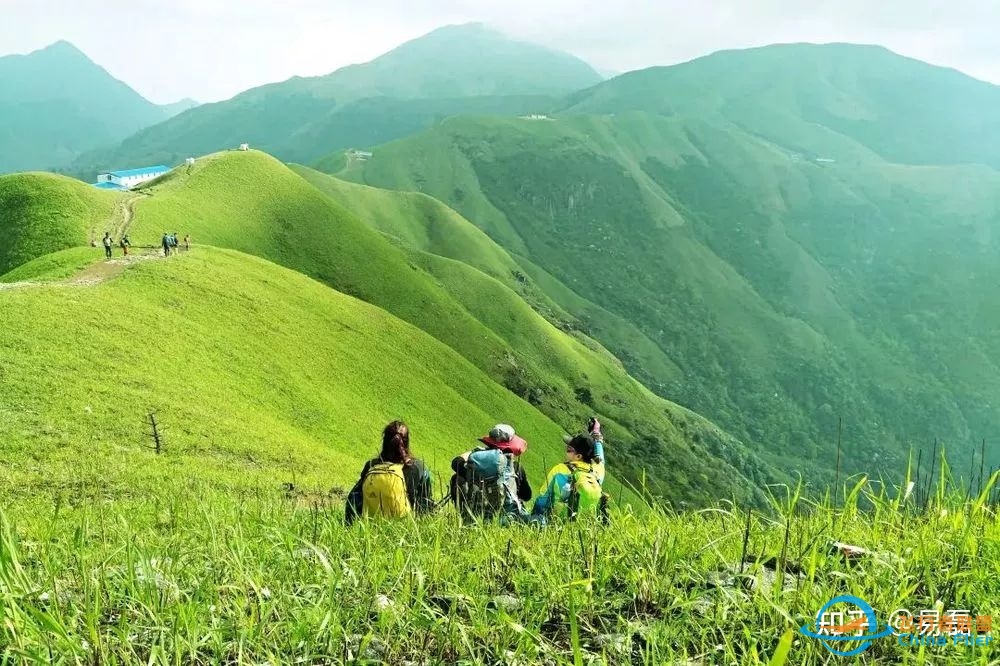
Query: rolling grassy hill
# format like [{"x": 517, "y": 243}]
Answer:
[
  {"x": 789, "y": 292},
  {"x": 453, "y": 70},
  {"x": 280, "y": 380},
  {"x": 56, "y": 103},
  {"x": 253, "y": 203},
  {"x": 43, "y": 213},
  {"x": 420, "y": 222}
]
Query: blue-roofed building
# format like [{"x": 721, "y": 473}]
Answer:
[
  {"x": 128, "y": 178},
  {"x": 108, "y": 185}
]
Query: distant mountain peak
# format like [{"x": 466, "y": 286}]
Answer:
[
  {"x": 61, "y": 48},
  {"x": 470, "y": 28}
]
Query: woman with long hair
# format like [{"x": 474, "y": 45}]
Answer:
[{"x": 393, "y": 485}]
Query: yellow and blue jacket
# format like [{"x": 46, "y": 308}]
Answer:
[{"x": 554, "y": 497}]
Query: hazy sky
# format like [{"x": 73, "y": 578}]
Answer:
[{"x": 212, "y": 49}]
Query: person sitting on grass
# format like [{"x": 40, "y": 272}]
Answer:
[
  {"x": 489, "y": 481},
  {"x": 574, "y": 487},
  {"x": 393, "y": 485}
]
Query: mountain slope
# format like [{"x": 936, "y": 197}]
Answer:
[
  {"x": 789, "y": 292},
  {"x": 42, "y": 213},
  {"x": 280, "y": 380},
  {"x": 56, "y": 103},
  {"x": 457, "y": 69},
  {"x": 905, "y": 110},
  {"x": 425, "y": 224},
  {"x": 250, "y": 202}
]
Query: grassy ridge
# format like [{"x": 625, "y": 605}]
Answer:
[
  {"x": 42, "y": 213},
  {"x": 252, "y": 203},
  {"x": 779, "y": 293},
  {"x": 281, "y": 379},
  {"x": 423, "y": 223},
  {"x": 55, "y": 266}
]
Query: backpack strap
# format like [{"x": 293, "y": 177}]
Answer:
[{"x": 574, "y": 495}]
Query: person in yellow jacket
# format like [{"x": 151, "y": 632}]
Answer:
[{"x": 574, "y": 487}]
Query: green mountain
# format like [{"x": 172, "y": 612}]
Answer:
[
  {"x": 453, "y": 70},
  {"x": 788, "y": 274},
  {"x": 795, "y": 94},
  {"x": 179, "y": 107},
  {"x": 252, "y": 203},
  {"x": 56, "y": 104},
  {"x": 280, "y": 380},
  {"x": 268, "y": 210}
]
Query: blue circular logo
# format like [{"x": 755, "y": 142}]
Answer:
[{"x": 831, "y": 639}]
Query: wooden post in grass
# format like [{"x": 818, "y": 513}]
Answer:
[
  {"x": 840, "y": 434},
  {"x": 982, "y": 461},
  {"x": 746, "y": 540},
  {"x": 157, "y": 439},
  {"x": 784, "y": 552},
  {"x": 972, "y": 475},
  {"x": 930, "y": 478}
]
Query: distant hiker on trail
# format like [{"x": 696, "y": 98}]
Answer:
[
  {"x": 107, "y": 244},
  {"x": 125, "y": 244},
  {"x": 394, "y": 485},
  {"x": 489, "y": 481},
  {"x": 574, "y": 488},
  {"x": 173, "y": 243},
  {"x": 187, "y": 242},
  {"x": 166, "y": 244}
]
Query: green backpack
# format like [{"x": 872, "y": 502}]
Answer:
[{"x": 585, "y": 491}]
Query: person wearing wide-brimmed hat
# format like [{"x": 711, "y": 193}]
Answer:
[{"x": 489, "y": 482}]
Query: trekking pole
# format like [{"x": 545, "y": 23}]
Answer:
[{"x": 442, "y": 502}]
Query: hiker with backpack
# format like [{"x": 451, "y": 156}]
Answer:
[
  {"x": 107, "y": 245},
  {"x": 125, "y": 244},
  {"x": 489, "y": 482},
  {"x": 573, "y": 488},
  {"x": 393, "y": 485}
]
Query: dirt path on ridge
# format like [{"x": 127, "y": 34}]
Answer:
[
  {"x": 100, "y": 271},
  {"x": 95, "y": 273}
]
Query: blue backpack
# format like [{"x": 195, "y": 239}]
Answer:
[{"x": 487, "y": 485}]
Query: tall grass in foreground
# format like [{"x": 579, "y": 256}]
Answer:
[{"x": 193, "y": 576}]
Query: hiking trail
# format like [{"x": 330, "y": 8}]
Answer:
[
  {"x": 92, "y": 274},
  {"x": 125, "y": 213},
  {"x": 100, "y": 271}
]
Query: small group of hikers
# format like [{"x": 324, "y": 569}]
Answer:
[
  {"x": 124, "y": 243},
  {"x": 488, "y": 483},
  {"x": 171, "y": 244}
]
